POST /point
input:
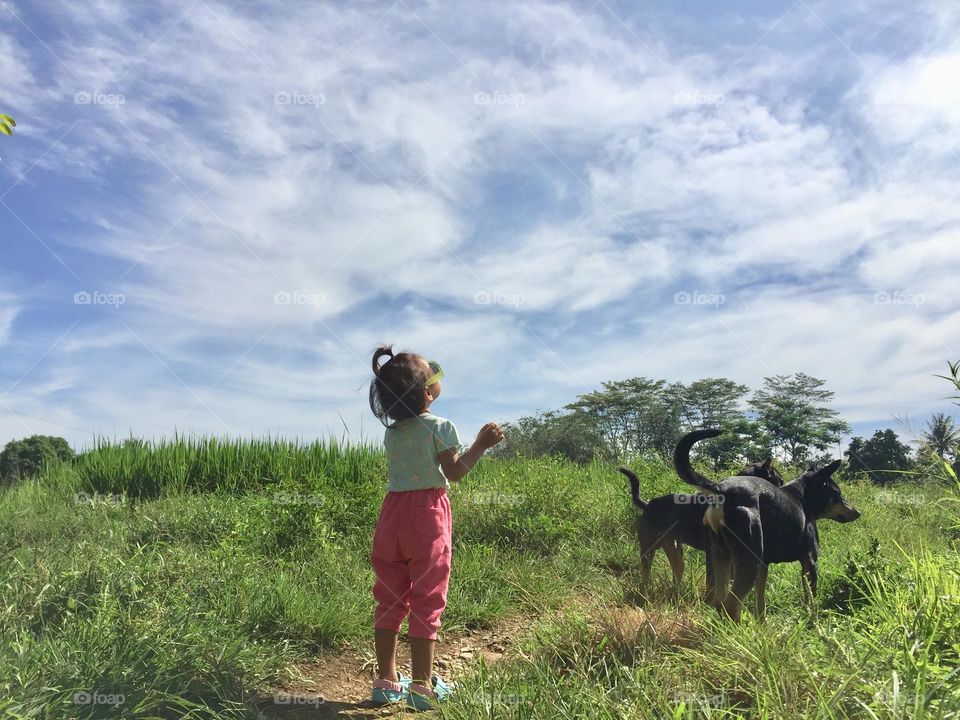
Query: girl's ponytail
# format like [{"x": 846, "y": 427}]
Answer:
[{"x": 379, "y": 353}]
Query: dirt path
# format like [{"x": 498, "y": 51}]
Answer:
[{"x": 337, "y": 684}]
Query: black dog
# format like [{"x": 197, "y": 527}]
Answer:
[
  {"x": 764, "y": 470},
  {"x": 754, "y": 524},
  {"x": 669, "y": 522}
]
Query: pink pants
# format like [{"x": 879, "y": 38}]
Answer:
[{"x": 411, "y": 559}]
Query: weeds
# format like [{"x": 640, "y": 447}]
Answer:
[{"x": 183, "y": 576}]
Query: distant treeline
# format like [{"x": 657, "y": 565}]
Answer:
[{"x": 789, "y": 419}]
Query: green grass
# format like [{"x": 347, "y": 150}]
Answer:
[{"x": 186, "y": 575}]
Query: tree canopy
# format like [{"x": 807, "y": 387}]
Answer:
[
  {"x": 942, "y": 436},
  {"x": 23, "y": 458},
  {"x": 624, "y": 419},
  {"x": 794, "y": 410},
  {"x": 882, "y": 457}
]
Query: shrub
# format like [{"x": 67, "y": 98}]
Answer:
[{"x": 24, "y": 458}]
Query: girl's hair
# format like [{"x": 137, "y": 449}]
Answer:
[{"x": 396, "y": 391}]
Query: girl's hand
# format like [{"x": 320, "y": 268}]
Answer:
[
  {"x": 489, "y": 435},
  {"x": 456, "y": 466}
]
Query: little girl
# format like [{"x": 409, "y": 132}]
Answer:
[{"x": 412, "y": 542}]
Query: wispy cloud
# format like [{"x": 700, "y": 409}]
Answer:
[
  {"x": 7, "y": 315},
  {"x": 246, "y": 202}
]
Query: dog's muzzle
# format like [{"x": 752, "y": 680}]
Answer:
[{"x": 849, "y": 514}]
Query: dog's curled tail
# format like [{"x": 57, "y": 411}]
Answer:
[
  {"x": 681, "y": 460},
  {"x": 634, "y": 487}
]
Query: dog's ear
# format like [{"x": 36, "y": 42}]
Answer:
[{"x": 830, "y": 469}]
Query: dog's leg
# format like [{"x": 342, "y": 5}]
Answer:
[
  {"x": 812, "y": 579},
  {"x": 708, "y": 592},
  {"x": 646, "y": 563},
  {"x": 760, "y": 585},
  {"x": 745, "y": 574},
  {"x": 746, "y": 545},
  {"x": 721, "y": 561},
  {"x": 674, "y": 551},
  {"x": 808, "y": 579}
]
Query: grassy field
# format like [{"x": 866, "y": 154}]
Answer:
[{"x": 184, "y": 576}]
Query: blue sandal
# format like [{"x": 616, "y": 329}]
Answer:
[
  {"x": 420, "y": 697},
  {"x": 386, "y": 692}
]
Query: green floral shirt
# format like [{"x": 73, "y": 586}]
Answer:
[{"x": 413, "y": 448}]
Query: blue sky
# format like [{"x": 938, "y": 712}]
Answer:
[{"x": 211, "y": 213}]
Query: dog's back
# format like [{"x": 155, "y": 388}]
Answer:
[
  {"x": 681, "y": 515},
  {"x": 780, "y": 515},
  {"x": 765, "y": 470}
]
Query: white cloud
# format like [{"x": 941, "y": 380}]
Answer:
[
  {"x": 918, "y": 101},
  {"x": 379, "y": 170},
  {"x": 7, "y": 316},
  {"x": 11, "y": 304},
  {"x": 922, "y": 270},
  {"x": 878, "y": 357}
]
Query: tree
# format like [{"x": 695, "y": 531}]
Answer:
[
  {"x": 942, "y": 436},
  {"x": 7, "y": 124},
  {"x": 712, "y": 402},
  {"x": 656, "y": 415},
  {"x": 743, "y": 440},
  {"x": 883, "y": 457},
  {"x": 633, "y": 416},
  {"x": 793, "y": 411},
  {"x": 715, "y": 402},
  {"x": 569, "y": 435},
  {"x": 609, "y": 414},
  {"x": 23, "y": 458}
]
